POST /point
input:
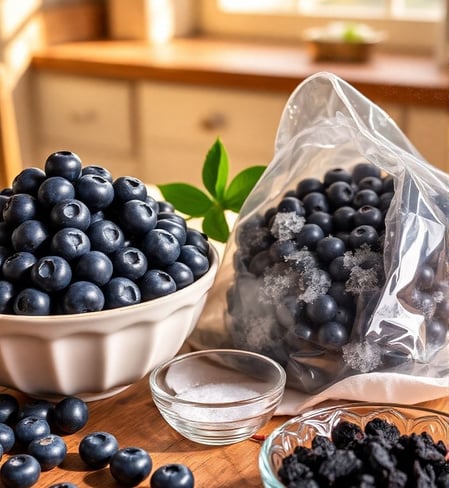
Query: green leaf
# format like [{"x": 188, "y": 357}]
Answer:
[
  {"x": 216, "y": 170},
  {"x": 186, "y": 198},
  {"x": 241, "y": 186},
  {"x": 215, "y": 224}
]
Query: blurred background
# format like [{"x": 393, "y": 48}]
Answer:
[{"x": 144, "y": 87}]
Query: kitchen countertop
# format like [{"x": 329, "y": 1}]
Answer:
[
  {"x": 133, "y": 418},
  {"x": 414, "y": 80}
]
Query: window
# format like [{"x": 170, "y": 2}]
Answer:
[
  {"x": 409, "y": 25},
  {"x": 382, "y": 8}
]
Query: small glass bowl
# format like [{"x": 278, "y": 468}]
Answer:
[
  {"x": 300, "y": 430},
  {"x": 218, "y": 396}
]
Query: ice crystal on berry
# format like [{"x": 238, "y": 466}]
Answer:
[
  {"x": 361, "y": 356},
  {"x": 286, "y": 225}
]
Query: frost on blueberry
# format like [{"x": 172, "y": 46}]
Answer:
[
  {"x": 286, "y": 225},
  {"x": 362, "y": 356}
]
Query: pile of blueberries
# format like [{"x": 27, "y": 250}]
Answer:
[
  {"x": 375, "y": 457},
  {"x": 32, "y": 435},
  {"x": 74, "y": 240},
  {"x": 311, "y": 267}
]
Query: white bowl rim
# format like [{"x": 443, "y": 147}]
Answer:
[
  {"x": 70, "y": 319},
  {"x": 274, "y": 391}
]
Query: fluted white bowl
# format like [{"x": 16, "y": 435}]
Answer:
[{"x": 95, "y": 355}]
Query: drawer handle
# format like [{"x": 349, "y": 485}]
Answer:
[
  {"x": 86, "y": 117},
  {"x": 214, "y": 121}
]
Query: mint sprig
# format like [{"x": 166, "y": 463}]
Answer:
[{"x": 210, "y": 205}]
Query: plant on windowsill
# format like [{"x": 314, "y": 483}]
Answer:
[{"x": 219, "y": 197}]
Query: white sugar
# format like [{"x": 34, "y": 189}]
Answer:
[
  {"x": 218, "y": 393},
  {"x": 286, "y": 225}
]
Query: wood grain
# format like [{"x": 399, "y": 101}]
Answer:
[{"x": 133, "y": 418}]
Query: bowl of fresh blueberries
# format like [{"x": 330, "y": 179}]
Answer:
[{"x": 99, "y": 280}]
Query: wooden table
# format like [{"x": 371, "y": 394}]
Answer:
[{"x": 133, "y": 418}]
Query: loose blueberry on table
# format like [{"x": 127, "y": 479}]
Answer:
[
  {"x": 70, "y": 237},
  {"x": 130, "y": 465}
]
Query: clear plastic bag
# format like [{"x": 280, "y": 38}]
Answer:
[{"x": 400, "y": 324}]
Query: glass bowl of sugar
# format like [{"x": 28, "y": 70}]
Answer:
[{"x": 217, "y": 396}]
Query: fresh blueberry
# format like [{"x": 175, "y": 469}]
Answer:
[
  {"x": 130, "y": 465},
  {"x": 5, "y": 234},
  {"x": 5, "y": 252},
  {"x": 260, "y": 262},
  {"x": 7, "y": 437},
  {"x": 308, "y": 236},
  {"x": 129, "y": 188},
  {"x": 345, "y": 316},
  {"x": 20, "y": 471},
  {"x": 36, "y": 408},
  {"x": 93, "y": 169},
  {"x": 366, "y": 197},
  {"x": 197, "y": 239},
  {"x": 137, "y": 217},
  {"x": 291, "y": 204},
  {"x": 54, "y": 190},
  {"x": 94, "y": 266},
  {"x": 70, "y": 213},
  {"x": 70, "y": 415},
  {"x": 336, "y": 174},
  {"x": 97, "y": 448},
  {"x": 342, "y": 218},
  {"x": 388, "y": 184},
  {"x": 195, "y": 260},
  {"x": 121, "y": 292},
  {"x": 129, "y": 262},
  {"x": 106, "y": 236},
  {"x": 30, "y": 428},
  {"x": 338, "y": 270},
  {"x": 425, "y": 278},
  {"x": 7, "y": 295},
  {"x": 368, "y": 215},
  {"x": 339, "y": 194},
  {"x": 321, "y": 310},
  {"x": 95, "y": 191},
  {"x": 165, "y": 206},
  {"x": 332, "y": 335},
  {"x": 436, "y": 332},
  {"x": 19, "y": 208},
  {"x": 178, "y": 230},
  {"x": 156, "y": 283},
  {"x": 172, "y": 216},
  {"x": 385, "y": 201},
  {"x": 362, "y": 170},
  {"x": 30, "y": 301},
  {"x": 315, "y": 202},
  {"x": 50, "y": 451},
  {"x": 160, "y": 247},
  {"x": 16, "y": 268},
  {"x": 28, "y": 181},
  {"x": 51, "y": 273},
  {"x": 96, "y": 216},
  {"x": 364, "y": 234},
  {"x": 3, "y": 200},
  {"x": 30, "y": 236},
  {"x": 329, "y": 248},
  {"x": 172, "y": 476},
  {"x": 82, "y": 297},
  {"x": 341, "y": 296},
  {"x": 153, "y": 203},
  {"x": 7, "y": 191},
  {"x": 323, "y": 219},
  {"x": 63, "y": 163},
  {"x": 309, "y": 185},
  {"x": 70, "y": 243},
  {"x": 181, "y": 273},
  {"x": 372, "y": 183},
  {"x": 9, "y": 408}
]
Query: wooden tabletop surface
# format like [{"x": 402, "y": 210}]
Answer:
[{"x": 133, "y": 418}]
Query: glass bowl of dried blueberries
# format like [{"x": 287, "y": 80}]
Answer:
[
  {"x": 99, "y": 280},
  {"x": 359, "y": 444}
]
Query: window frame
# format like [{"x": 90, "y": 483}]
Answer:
[{"x": 413, "y": 35}]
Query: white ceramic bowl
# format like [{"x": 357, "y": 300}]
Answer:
[
  {"x": 218, "y": 396},
  {"x": 95, "y": 355}
]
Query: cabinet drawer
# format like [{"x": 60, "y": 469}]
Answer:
[
  {"x": 80, "y": 111},
  {"x": 243, "y": 120}
]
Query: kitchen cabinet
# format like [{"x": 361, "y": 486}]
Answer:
[
  {"x": 179, "y": 123},
  {"x": 90, "y": 116}
]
